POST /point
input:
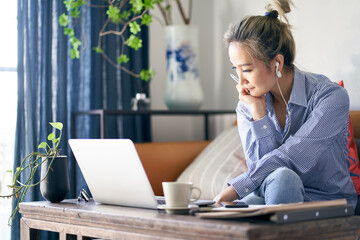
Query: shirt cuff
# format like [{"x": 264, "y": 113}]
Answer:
[
  {"x": 261, "y": 128},
  {"x": 242, "y": 185}
]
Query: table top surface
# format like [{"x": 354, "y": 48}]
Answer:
[{"x": 116, "y": 217}]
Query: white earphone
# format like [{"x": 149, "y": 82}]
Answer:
[{"x": 278, "y": 73}]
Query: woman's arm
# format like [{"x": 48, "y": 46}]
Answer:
[
  {"x": 327, "y": 122},
  {"x": 257, "y": 137}
]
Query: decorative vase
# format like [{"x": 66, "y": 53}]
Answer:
[
  {"x": 183, "y": 89},
  {"x": 56, "y": 185}
]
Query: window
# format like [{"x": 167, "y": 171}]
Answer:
[{"x": 8, "y": 106}]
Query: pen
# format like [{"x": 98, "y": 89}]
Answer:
[{"x": 234, "y": 77}]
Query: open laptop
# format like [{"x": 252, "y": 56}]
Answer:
[{"x": 114, "y": 173}]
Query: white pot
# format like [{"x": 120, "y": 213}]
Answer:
[{"x": 183, "y": 89}]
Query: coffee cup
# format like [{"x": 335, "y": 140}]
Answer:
[{"x": 179, "y": 194}]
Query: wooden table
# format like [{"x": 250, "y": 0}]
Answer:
[{"x": 76, "y": 220}]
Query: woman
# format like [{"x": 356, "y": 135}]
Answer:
[{"x": 292, "y": 124}]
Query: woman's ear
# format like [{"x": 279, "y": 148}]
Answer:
[{"x": 279, "y": 58}]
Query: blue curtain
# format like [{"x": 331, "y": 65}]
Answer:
[{"x": 51, "y": 86}]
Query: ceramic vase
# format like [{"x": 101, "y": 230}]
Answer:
[
  {"x": 56, "y": 185},
  {"x": 183, "y": 89}
]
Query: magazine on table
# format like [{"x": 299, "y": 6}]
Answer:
[{"x": 283, "y": 212}]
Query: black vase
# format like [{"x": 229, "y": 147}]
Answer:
[{"x": 56, "y": 185}]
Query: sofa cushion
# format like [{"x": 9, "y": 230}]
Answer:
[
  {"x": 353, "y": 155},
  {"x": 357, "y": 209},
  {"x": 222, "y": 160}
]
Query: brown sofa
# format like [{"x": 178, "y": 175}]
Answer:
[{"x": 165, "y": 161}]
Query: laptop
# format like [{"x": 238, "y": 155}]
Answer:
[{"x": 114, "y": 173}]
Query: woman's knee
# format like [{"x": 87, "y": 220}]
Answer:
[
  {"x": 285, "y": 176},
  {"x": 283, "y": 186}
]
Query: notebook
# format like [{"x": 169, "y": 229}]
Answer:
[
  {"x": 114, "y": 173},
  {"x": 283, "y": 213}
]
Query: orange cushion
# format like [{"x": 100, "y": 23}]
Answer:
[{"x": 353, "y": 155}]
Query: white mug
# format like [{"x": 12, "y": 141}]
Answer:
[{"x": 178, "y": 194}]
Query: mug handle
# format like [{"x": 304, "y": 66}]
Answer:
[{"x": 198, "y": 196}]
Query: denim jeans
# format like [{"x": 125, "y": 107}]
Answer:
[{"x": 281, "y": 186}]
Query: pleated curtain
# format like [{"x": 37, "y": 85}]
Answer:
[{"x": 51, "y": 86}]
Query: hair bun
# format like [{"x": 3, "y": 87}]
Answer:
[
  {"x": 281, "y": 7},
  {"x": 273, "y": 14}
]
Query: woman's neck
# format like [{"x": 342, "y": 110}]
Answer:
[{"x": 285, "y": 83}]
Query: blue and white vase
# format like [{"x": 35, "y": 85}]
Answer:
[{"x": 183, "y": 89}]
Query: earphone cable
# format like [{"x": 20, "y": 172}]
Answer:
[{"x": 287, "y": 110}]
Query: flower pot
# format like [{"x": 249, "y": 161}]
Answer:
[
  {"x": 183, "y": 89},
  {"x": 56, "y": 185}
]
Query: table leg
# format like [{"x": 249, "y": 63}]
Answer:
[
  {"x": 24, "y": 230},
  {"x": 27, "y": 233}
]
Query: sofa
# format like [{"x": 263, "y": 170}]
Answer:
[{"x": 166, "y": 161}]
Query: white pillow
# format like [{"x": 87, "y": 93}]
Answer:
[{"x": 223, "y": 159}]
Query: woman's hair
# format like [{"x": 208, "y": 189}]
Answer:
[{"x": 266, "y": 36}]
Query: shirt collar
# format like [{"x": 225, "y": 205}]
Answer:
[{"x": 298, "y": 94}]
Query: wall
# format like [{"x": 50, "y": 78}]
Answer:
[{"x": 327, "y": 41}]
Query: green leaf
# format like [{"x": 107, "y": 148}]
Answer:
[
  {"x": 149, "y": 4},
  {"x": 98, "y": 49},
  {"x": 57, "y": 125},
  {"x": 146, "y": 19},
  {"x": 134, "y": 27},
  {"x": 122, "y": 59},
  {"x": 64, "y": 20},
  {"x": 74, "y": 53},
  {"x": 137, "y": 5},
  {"x": 55, "y": 140},
  {"x": 146, "y": 74},
  {"x": 134, "y": 42},
  {"x": 51, "y": 136},
  {"x": 114, "y": 14},
  {"x": 42, "y": 145},
  {"x": 69, "y": 31},
  {"x": 167, "y": 7},
  {"x": 75, "y": 42},
  {"x": 112, "y": 11},
  {"x": 75, "y": 13},
  {"x": 68, "y": 4},
  {"x": 18, "y": 169},
  {"x": 79, "y": 3},
  {"x": 125, "y": 15}
]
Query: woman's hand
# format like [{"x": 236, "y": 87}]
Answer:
[
  {"x": 257, "y": 104},
  {"x": 227, "y": 195}
]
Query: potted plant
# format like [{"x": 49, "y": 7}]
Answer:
[
  {"x": 54, "y": 172},
  {"x": 181, "y": 42}
]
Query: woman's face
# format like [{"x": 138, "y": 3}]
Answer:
[{"x": 254, "y": 76}]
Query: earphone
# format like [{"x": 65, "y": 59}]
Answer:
[{"x": 278, "y": 73}]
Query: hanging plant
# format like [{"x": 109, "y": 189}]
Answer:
[{"x": 125, "y": 15}]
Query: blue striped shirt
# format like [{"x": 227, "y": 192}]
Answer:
[{"x": 313, "y": 143}]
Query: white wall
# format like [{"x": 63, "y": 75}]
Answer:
[{"x": 326, "y": 34}]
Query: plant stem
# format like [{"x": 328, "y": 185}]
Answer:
[
  {"x": 163, "y": 13},
  {"x": 119, "y": 66},
  {"x": 181, "y": 9},
  {"x": 124, "y": 27}
]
